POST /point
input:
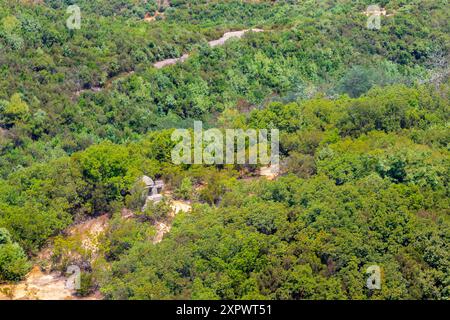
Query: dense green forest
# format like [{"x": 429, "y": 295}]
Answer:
[{"x": 364, "y": 140}]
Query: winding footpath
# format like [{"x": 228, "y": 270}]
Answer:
[{"x": 214, "y": 43}]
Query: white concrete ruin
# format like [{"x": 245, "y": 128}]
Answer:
[{"x": 153, "y": 190}]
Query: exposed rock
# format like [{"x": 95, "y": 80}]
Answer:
[{"x": 270, "y": 172}]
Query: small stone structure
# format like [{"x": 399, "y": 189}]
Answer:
[{"x": 153, "y": 190}]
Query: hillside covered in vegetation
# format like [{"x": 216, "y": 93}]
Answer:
[{"x": 364, "y": 141}]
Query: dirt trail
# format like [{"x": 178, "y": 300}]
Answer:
[
  {"x": 232, "y": 34},
  {"x": 214, "y": 43},
  {"x": 167, "y": 62}
]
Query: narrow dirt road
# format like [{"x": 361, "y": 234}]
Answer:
[
  {"x": 214, "y": 43},
  {"x": 230, "y": 35}
]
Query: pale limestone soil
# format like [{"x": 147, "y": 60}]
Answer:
[
  {"x": 233, "y": 34},
  {"x": 43, "y": 285},
  {"x": 164, "y": 227},
  {"x": 89, "y": 233},
  {"x": 40, "y": 284},
  {"x": 270, "y": 172}
]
